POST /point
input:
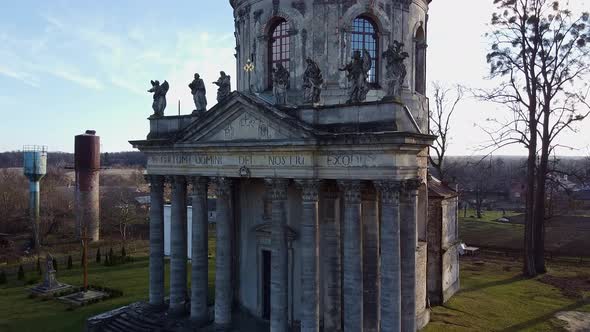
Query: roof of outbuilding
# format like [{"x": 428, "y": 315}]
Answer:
[{"x": 439, "y": 189}]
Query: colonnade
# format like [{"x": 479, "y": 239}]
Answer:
[{"x": 394, "y": 273}]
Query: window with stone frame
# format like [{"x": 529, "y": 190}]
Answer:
[
  {"x": 279, "y": 47},
  {"x": 365, "y": 36}
]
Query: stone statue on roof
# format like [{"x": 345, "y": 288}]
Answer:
[
  {"x": 159, "y": 91},
  {"x": 396, "y": 69},
  {"x": 312, "y": 82},
  {"x": 224, "y": 84},
  {"x": 358, "y": 73},
  {"x": 199, "y": 92},
  {"x": 280, "y": 81}
]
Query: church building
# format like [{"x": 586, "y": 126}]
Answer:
[{"x": 318, "y": 163}]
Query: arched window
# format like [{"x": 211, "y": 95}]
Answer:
[
  {"x": 364, "y": 36},
  {"x": 420, "y": 62},
  {"x": 279, "y": 44}
]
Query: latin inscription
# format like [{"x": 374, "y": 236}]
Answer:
[{"x": 340, "y": 160}]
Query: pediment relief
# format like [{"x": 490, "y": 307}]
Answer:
[
  {"x": 247, "y": 126},
  {"x": 240, "y": 121}
]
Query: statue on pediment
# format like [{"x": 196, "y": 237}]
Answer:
[
  {"x": 358, "y": 73},
  {"x": 224, "y": 86},
  {"x": 312, "y": 82},
  {"x": 199, "y": 92},
  {"x": 159, "y": 91},
  {"x": 396, "y": 69},
  {"x": 280, "y": 81}
]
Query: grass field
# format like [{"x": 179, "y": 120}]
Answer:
[
  {"x": 493, "y": 298},
  {"x": 565, "y": 235}
]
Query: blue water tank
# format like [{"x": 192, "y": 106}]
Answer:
[{"x": 35, "y": 162}]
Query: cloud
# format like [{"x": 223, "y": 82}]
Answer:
[
  {"x": 73, "y": 76},
  {"x": 25, "y": 77}
]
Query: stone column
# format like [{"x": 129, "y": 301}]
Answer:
[
  {"x": 178, "y": 246},
  {"x": 330, "y": 232},
  {"x": 156, "y": 239},
  {"x": 310, "y": 276},
  {"x": 279, "y": 260},
  {"x": 352, "y": 242},
  {"x": 199, "y": 254},
  {"x": 223, "y": 258},
  {"x": 408, "y": 216},
  {"x": 390, "y": 268},
  {"x": 370, "y": 222}
]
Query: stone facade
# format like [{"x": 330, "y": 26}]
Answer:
[{"x": 321, "y": 220}]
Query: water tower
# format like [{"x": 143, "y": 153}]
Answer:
[
  {"x": 35, "y": 168},
  {"x": 87, "y": 165}
]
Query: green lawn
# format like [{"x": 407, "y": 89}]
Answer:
[{"x": 493, "y": 297}]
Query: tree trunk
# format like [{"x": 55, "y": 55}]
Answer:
[
  {"x": 539, "y": 215},
  {"x": 529, "y": 269}
]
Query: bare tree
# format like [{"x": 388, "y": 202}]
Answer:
[
  {"x": 445, "y": 102},
  {"x": 539, "y": 52}
]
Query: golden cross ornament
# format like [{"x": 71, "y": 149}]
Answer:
[{"x": 249, "y": 67}]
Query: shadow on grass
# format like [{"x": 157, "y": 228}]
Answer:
[
  {"x": 492, "y": 284},
  {"x": 544, "y": 318}
]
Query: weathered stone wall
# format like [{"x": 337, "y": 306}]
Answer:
[
  {"x": 443, "y": 256},
  {"x": 422, "y": 313}
]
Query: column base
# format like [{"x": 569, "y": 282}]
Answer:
[{"x": 178, "y": 310}]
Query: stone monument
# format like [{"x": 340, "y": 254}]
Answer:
[{"x": 50, "y": 284}]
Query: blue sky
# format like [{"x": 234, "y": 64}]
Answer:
[{"x": 67, "y": 66}]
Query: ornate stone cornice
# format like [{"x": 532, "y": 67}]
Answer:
[
  {"x": 351, "y": 190},
  {"x": 310, "y": 189},
  {"x": 277, "y": 189},
  {"x": 389, "y": 191}
]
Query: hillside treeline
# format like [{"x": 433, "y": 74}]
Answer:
[{"x": 62, "y": 159}]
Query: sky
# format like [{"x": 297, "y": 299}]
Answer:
[{"x": 70, "y": 65}]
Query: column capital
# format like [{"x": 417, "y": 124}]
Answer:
[
  {"x": 154, "y": 180},
  {"x": 352, "y": 190},
  {"x": 200, "y": 185},
  {"x": 223, "y": 186},
  {"x": 176, "y": 180},
  {"x": 389, "y": 190},
  {"x": 410, "y": 187},
  {"x": 310, "y": 189},
  {"x": 277, "y": 188}
]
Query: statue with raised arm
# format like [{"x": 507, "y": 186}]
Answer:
[
  {"x": 396, "y": 69},
  {"x": 312, "y": 82},
  {"x": 159, "y": 91},
  {"x": 199, "y": 92},
  {"x": 358, "y": 72},
  {"x": 280, "y": 81},
  {"x": 224, "y": 84}
]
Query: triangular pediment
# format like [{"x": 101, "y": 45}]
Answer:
[{"x": 241, "y": 120}]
